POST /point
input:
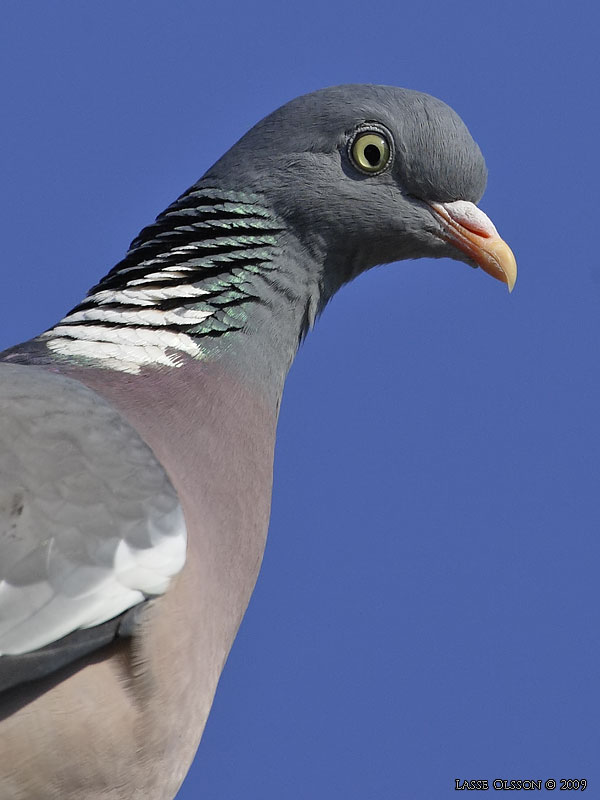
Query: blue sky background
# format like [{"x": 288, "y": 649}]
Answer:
[{"x": 428, "y": 604}]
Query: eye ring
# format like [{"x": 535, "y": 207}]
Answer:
[{"x": 371, "y": 149}]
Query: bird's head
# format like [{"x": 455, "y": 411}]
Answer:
[{"x": 366, "y": 175}]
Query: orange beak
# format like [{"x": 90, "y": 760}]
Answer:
[{"x": 470, "y": 230}]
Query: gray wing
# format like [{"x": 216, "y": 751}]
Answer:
[{"x": 90, "y": 524}]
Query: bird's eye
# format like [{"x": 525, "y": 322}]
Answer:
[{"x": 370, "y": 150}]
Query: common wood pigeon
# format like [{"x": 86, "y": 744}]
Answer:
[{"x": 137, "y": 434}]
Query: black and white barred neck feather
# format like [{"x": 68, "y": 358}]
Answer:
[{"x": 188, "y": 276}]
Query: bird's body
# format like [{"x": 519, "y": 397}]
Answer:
[
  {"x": 144, "y": 684},
  {"x": 177, "y": 360}
]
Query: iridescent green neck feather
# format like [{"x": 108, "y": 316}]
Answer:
[{"x": 188, "y": 282}]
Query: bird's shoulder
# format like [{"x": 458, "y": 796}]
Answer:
[{"x": 90, "y": 524}]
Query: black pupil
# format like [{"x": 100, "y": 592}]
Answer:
[{"x": 372, "y": 154}]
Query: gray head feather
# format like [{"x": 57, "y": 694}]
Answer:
[
  {"x": 437, "y": 158},
  {"x": 298, "y": 158}
]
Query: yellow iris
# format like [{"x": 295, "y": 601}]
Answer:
[{"x": 370, "y": 152}]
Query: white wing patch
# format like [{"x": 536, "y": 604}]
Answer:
[{"x": 90, "y": 523}]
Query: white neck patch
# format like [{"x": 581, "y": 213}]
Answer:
[
  {"x": 127, "y": 339},
  {"x": 125, "y": 349}
]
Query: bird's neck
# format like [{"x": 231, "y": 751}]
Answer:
[{"x": 215, "y": 278}]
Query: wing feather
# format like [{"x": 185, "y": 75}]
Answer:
[{"x": 90, "y": 524}]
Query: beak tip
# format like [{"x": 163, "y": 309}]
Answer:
[{"x": 503, "y": 263}]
